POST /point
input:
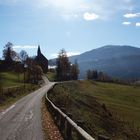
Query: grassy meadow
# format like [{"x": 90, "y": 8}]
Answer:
[
  {"x": 121, "y": 99},
  {"x": 105, "y": 108},
  {"x": 51, "y": 76},
  {"x": 13, "y": 88},
  {"x": 10, "y": 79}
]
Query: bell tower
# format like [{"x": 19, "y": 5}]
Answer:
[
  {"x": 41, "y": 60},
  {"x": 38, "y": 51}
]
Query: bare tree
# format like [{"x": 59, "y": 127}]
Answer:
[
  {"x": 74, "y": 71},
  {"x": 8, "y": 53},
  {"x": 33, "y": 71},
  {"x": 37, "y": 72},
  {"x": 23, "y": 56},
  {"x": 63, "y": 66},
  {"x": 0, "y": 82},
  {"x": 18, "y": 68}
]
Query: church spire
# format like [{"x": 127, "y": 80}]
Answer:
[{"x": 38, "y": 51}]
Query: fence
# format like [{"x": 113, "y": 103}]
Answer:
[
  {"x": 12, "y": 92},
  {"x": 7, "y": 90},
  {"x": 68, "y": 128}
]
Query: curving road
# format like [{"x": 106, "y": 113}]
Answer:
[{"x": 22, "y": 121}]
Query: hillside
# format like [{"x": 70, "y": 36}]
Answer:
[
  {"x": 13, "y": 88},
  {"x": 115, "y": 60},
  {"x": 109, "y": 109},
  {"x": 107, "y": 52}
]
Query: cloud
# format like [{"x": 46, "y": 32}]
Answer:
[
  {"x": 72, "y": 53},
  {"x": 138, "y": 24},
  {"x": 68, "y": 54},
  {"x": 67, "y": 8},
  {"x": 90, "y": 16},
  {"x": 126, "y": 23},
  {"x": 8, "y": 2},
  {"x": 25, "y": 47},
  {"x": 132, "y": 15},
  {"x": 106, "y": 9}
]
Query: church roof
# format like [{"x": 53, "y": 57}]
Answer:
[
  {"x": 41, "y": 60},
  {"x": 40, "y": 55}
]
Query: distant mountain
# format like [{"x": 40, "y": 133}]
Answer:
[{"x": 115, "y": 60}]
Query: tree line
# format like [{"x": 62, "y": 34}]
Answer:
[
  {"x": 97, "y": 75},
  {"x": 20, "y": 63}
]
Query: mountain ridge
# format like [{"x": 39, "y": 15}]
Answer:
[
  {"x": 120, "y": 61},
  {"x": 98, "y": 52}
]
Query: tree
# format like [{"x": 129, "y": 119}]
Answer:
[
  {"x": 34, "y": 74},
  {"x": 29, "y": 62},
  {"x": 18, "y": 68},
  {"x": 89, "y": 74},
  {"x": 74, "y": 71},
  {"x": 37, "y": 73},
  {"x": 63, "y": 66},
  {"x": 23, "y": 56},
  {"x": 8, "y": 53},
  {"x": 0, "y": 82},
  {"x": 33, "y": 71},
  {"x": 95, "y": 74},
  {"x": 103, "y": 77}
]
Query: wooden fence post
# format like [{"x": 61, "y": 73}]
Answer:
[
  {"x": 62, "y": 121},
  {"x": 2, "y": 91},
  {"x": 69, "y": 128},
  {"x": 80, "y": 123},
  {"x": 57, "y": 117},
  {"x": 66, "y": 124},
  {"x": 102, "y": 137}
]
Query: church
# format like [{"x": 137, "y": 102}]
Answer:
[{"x": 41, "y": 60}]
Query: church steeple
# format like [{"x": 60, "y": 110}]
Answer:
[
  {"x": 41, "y": 60},
  {"x": 38, "y": 51}
]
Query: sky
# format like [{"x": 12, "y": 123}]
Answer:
[{"x": 74, "y": 25}]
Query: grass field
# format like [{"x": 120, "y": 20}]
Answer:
[
  {"x": 105, "y": 108},
  {"x": 51, "y": 76},
  {"x": 11, "y": 79},
  {"x": 122, "y": 99},
  {"x": 13, "y": 88}
]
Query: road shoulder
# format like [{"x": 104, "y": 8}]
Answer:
[{"x": 51, "y": 131}]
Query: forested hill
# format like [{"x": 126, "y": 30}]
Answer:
[{"x": 115, "y": 60}]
